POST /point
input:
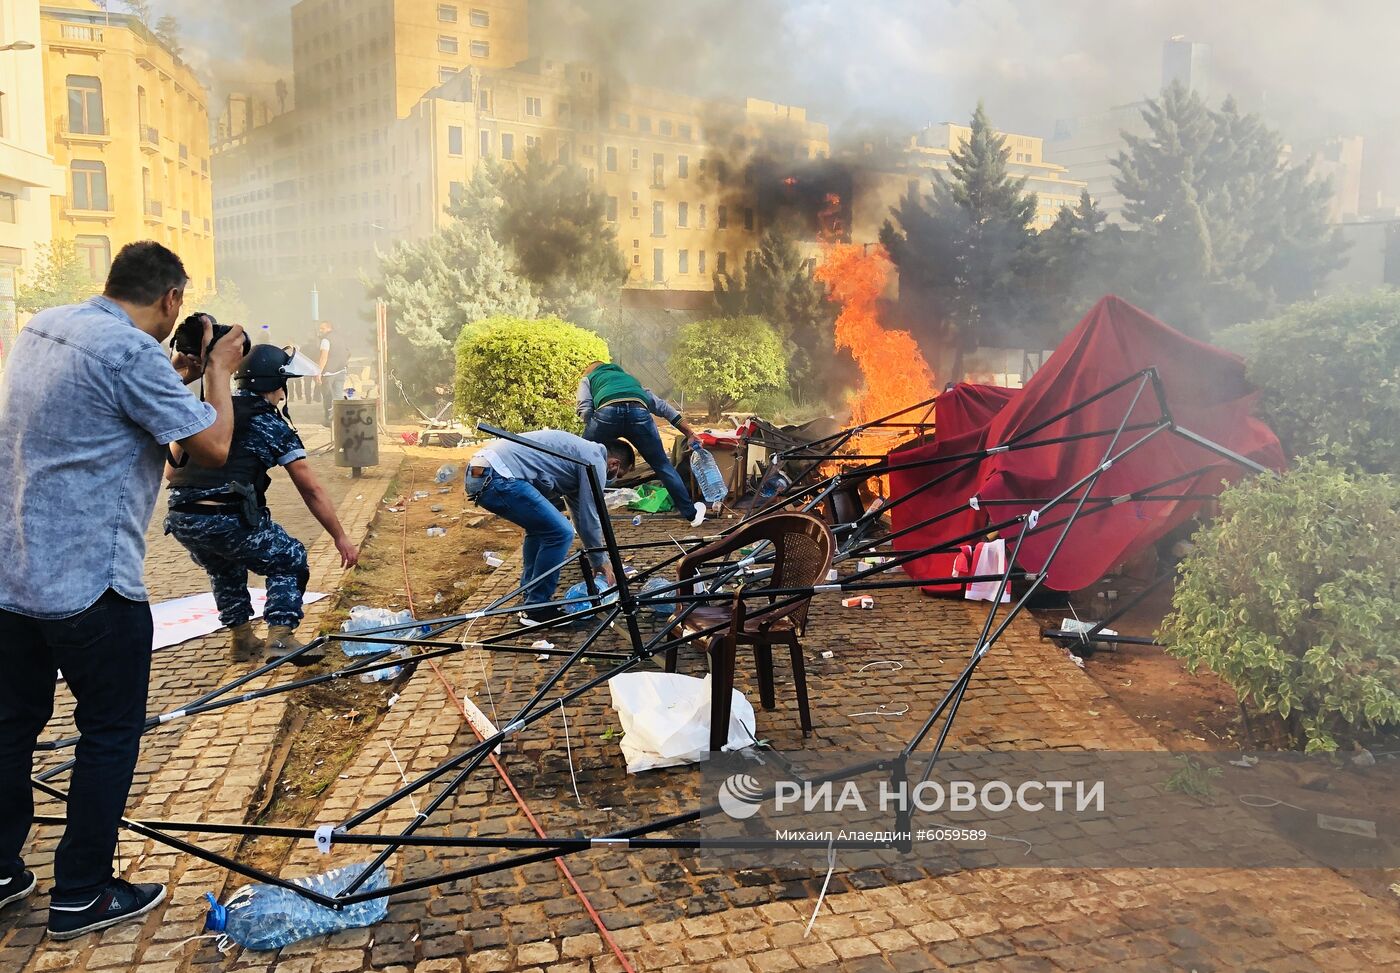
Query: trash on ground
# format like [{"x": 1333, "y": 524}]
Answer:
[
  {"x": 493, "y": 559},
  {"x": 858, "y": 601},
  {"x": 619, "y": 497},
  {"x": 263, "y": 917},
  {"x": 437, "y": 531},
  {"x": 665, "y": 719},
  {"x": 445, "y": 473}
]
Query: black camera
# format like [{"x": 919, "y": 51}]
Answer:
[{"x": 189, "y": 335}]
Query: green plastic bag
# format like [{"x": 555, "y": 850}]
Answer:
[{"x": 652, "y": 498}]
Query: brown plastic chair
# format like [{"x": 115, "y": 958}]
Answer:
[{"x": 802, "y": 547}]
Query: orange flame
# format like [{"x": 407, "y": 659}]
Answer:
[{"x": 896, "y": 374}]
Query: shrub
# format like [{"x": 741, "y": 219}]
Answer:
[
  {"x": 1290, "y": 596},
  {"x": 1329, "y": 377},
  {"x": 724, "y": 360},
  {"x": 521, "y": 374}
]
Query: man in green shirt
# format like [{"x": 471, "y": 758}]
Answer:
[{"x": 614, "y": 405}]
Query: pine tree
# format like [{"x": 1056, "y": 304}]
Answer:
[
  {"x": 1226, "y": 229},
  {"x": 141, "y": 10},
  {"x": 962, "y": 249},
  {"x": 167, "y": 29}
]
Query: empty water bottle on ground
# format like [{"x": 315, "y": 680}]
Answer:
[
  {"x": 392, "y": 672},
  {"x": 773, "y": 483},
  {"x": 580, "y": 590},
  {"x": 707, "y": 474},
  {"x": 262, "y": 917},
  {"x": 656, "y": 584},
  {"x": 445, "y": 473}
]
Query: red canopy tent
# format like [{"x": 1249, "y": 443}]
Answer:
[{"x": 1205, "y": 393}]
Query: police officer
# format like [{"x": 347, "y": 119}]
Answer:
[{"x": 220, "y": 514}]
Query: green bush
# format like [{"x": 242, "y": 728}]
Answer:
[
  {"x": 521, "y": 374},
  {"x": 1291, "y": 597},
  {"x": 724, "y": 360},
  {"x": 1329, "y": 377}
]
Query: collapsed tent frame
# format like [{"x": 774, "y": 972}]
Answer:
[{"x": 852, "y": 543}]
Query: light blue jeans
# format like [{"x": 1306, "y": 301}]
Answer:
[{"x": 548, "y": 533}]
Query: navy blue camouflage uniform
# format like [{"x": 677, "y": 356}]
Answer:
[{"x": 240, "y": 535}]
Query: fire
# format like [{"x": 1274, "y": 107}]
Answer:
[{"x": 896, "y": 374}]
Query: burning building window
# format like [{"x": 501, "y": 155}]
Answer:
[
  {"x": 722, "y": 262},
  {"x": 748, "y": 218}
]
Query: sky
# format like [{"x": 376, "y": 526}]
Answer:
[{"x": 1313, "y": 67}]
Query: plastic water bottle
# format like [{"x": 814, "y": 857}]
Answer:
[
  {"x": 773, "y": 483},
  {"x": 264, "y": 917},
  {"x": 653, "y": 584},
  {"x": 580, "y": 590},
  {"x": 393, "y": 672},
  {"x": 445, "y": 473},
  {"x": 707, "y": 474}
]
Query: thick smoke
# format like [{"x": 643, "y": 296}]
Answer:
[{"x": 1315, "y": 67}]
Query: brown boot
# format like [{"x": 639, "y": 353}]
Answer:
[
  {"x": 244, "y": 646},
  {"x": 281, "y": 640}
]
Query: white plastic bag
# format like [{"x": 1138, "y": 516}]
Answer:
[
  {"x": 666, "y": 719},
  {"x": 620, "y": 497}
]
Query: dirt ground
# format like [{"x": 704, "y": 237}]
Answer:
[{"x": 400, "y": 567}]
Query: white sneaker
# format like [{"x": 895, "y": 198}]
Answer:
[{"x": 699, "y": 517}]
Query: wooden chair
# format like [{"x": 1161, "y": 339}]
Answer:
[{"x": 801, "y": 546}]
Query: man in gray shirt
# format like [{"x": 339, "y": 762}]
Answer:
[
  {"x": 520, "y": 484},
  {"x": 89, "y": 403}
]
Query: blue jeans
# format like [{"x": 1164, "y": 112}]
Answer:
[
  {"x": 548, "y": 533},
  {"x": 105, "y": 655},
  {"x": 632, "y": 421}
]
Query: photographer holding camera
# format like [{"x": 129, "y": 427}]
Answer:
[{"x": 89, "y": 404}]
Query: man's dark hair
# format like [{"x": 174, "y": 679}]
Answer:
[
  {"x": 623, "y": 452},
  {"x": 143, "y": 273}
]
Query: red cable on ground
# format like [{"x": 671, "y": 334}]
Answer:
[{"x": 500, "y": 768}]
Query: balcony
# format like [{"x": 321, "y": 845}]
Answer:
[
  {"x": 155, "y": 210},
  {"x": 184, "y": 156},
  {"x": 85, "y": 131},
  {"x": 78, "y": 37},
  {"x": 185, "y": 217},
  {"x": 101, "y": 208},
  {"x": 150, "y": 139}
]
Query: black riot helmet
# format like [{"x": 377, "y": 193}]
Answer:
[{"x": 267, "y": 368}]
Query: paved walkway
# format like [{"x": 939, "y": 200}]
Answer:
[{"x": 672, "y": 910}]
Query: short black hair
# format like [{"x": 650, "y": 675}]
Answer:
[
  {"x": 145, "y": 272},
  {"x": 623, "y": 452}
]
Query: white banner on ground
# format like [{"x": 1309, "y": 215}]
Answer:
[{"x": 182, "y": 619}]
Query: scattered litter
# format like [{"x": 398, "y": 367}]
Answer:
[
  {"x": 542, "y": 644},
  {"x": 445, "y": 472},
  {"x": 1363, "y": 758},
  {"x": 477, "y": 521},
  {"x": 1353, "y": 826},
  {"x": 832, "y": 575},
  {"x": 438, "y": 599},
  {"x": 858, "y": 601},
  {"x": 420, "y": 494},
  {"x": 866, "y": 563},
  {"x": 460, "y": 585},
  {"x": 319, "y": 762},
  {"x": 360, "y": 496},
  {"x": 883, "y": 710},
  {"x": 396, "y": 510},
  {"x": 828, "y": 654},
  {"x": 392, "y": 700},
  {"x": 493, "y": 559},
  {"x": 1246, "y": 761},
  {"x": 620, "y": 497},
  {"x": 894, "y": 665},
  {"x": 445, "y": 490},
  {"x": 344, "y": 776},
  {"x": 436, "y": 508},
  {"x": 542, "y": 657},
  {"x": 637, "y": 521},
  {"x": 437, "y": 531},
  {"x": 1075, "y": 659}
]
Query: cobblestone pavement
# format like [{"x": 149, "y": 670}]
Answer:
[{"x": 668, "y": 909}]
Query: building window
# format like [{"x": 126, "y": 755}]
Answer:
[
  {"x": 658, "y": 266},
  {"x": 507, "y": 145},
  {"x": 485, "y": 143},
  {"x": 446, "y": 74},
  {"x": 683, "y": 262},
  {"x": 454, "y": 140},
  {"x": 483, "y": 100},
  {"x": 7, "y": 208},
  {"x": 722, "y": 220},
  {"x": 686, "y": 134},
  {"x": 700, "y": 263},
  {"x": 658, "y": 219},
  {"x": 96, "y": 252},
  {"x": 612, "y": 209},
  {"x": 89, "y": 185},
  {"x": 682, "y": 214},
  {"x": 447, "y": 13},
  {"x": 530, "y": 142},
  {"x": 610, "y": 162},
  {"x": 456, "y": 192},
  {"x": 665, "y": 126},
  {"x": 85, "y": 105},
  {"x": 447, "y": 44},
  {"x": 636, "y": 159},
  {"x": 748, "y": 218},
  {"x": 481, "y": 49},
  {"x": 721, "y": 262},
  {"x": 624, "y": 120},
  {"x": 704, "y": 216},
  {"x": 658, "y": 170},
  {"x": 534, "y": 107},
  {"x": 682, "y": 167},
  {"x": 643, "y": 123},
  {"x": 480, "y": 18}
]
